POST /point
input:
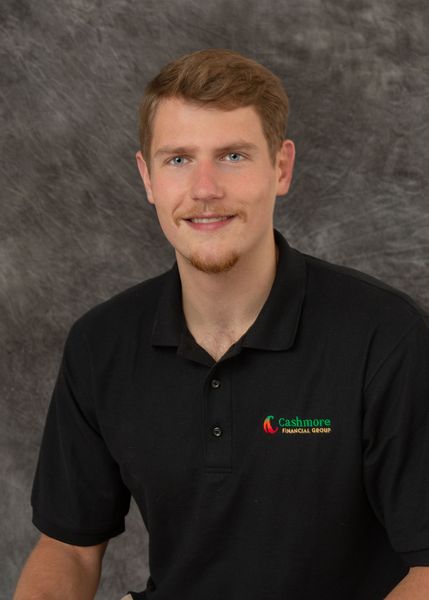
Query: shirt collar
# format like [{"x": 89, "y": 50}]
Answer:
[{"x": 275, "y": 327}]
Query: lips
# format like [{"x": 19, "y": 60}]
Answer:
[
  {"x": 209, "y": 223},
  {"x": 209, "y": 219}
]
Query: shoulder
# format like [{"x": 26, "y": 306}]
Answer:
[
  {"x": 347, "y": 289},
  {"x": 121, "y": 314},
  {"x": 364, "y": 315}
]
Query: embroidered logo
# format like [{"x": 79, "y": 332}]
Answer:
[
  {"x": 268, "y": 428},
  {"x": 297, "y": 425}
]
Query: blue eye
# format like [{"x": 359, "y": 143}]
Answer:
[
  {"x": 234, "y": 156},
  {"x": 177, "y": 161}
]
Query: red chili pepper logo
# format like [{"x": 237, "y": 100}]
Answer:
[{"x": 268, "y": 428}]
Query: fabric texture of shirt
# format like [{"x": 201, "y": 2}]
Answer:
[{"x": 296, "y": 466}]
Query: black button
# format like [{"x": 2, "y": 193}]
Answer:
[
  {"x": 217, "y": 431},
  {"x": 215, "y": 383}
]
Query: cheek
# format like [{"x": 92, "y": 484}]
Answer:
[
  {"x": 252, "y": 188},
  {"x": 166, "y": 195}
]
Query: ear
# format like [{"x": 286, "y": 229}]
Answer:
[
  {"x": 284, "y": 164},
  {"x": 144, "y": 172}
]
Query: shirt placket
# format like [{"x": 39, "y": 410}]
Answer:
[{"x": 218, "y": 419}]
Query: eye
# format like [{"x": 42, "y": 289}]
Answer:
[
  {"x": 177, "y": 161},
  {"x": 234, "y": 157}
]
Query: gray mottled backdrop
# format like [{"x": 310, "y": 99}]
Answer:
[{"x": 75, "y": 227}]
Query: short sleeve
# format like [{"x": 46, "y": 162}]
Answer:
[
  {"x": 78, "y": 495},
  {"x": 396, "y": 444}
]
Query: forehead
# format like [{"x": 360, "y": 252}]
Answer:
[{"x": 177, "y": 121}]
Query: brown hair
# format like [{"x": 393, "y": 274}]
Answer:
[{"x": 220, "y": 78}]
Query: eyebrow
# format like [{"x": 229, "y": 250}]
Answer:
[{"x": 232, "y": 146}]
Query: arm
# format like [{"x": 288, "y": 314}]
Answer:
[
  {"x": 56, "y": 570},
  {"x": 415, "y": 586}
]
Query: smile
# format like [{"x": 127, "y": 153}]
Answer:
[
  {"x": 208, "y": 219},
  {"x": 209, "y": 223}
]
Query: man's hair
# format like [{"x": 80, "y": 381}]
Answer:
[{"x": 222, "y": 79}]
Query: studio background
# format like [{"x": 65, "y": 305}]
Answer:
[{"x": 75, "y": 226}]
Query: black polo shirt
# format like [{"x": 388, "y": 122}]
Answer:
[{"x": 296, "y": 466}]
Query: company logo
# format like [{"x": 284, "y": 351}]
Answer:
[
  {"x": 296, "y": 425},
  {"x": 268, "y": 428}
]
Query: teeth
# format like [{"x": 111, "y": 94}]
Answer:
[{"x": 209, "y": 220}]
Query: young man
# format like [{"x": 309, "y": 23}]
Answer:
[{"x": 267, "y": 410}]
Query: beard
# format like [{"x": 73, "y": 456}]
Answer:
[{"x": 219, "y": 265}]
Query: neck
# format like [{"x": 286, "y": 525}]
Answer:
[{"x": 226, "y": 304}]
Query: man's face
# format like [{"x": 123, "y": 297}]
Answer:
[{"x": 208, "y": 163}]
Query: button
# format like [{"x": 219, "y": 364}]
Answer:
[
  {"x": 215, "y": 383},
  {"x": 217, "y": 431}
]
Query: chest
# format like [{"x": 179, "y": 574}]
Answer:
[{"x": 258, "y": 414}]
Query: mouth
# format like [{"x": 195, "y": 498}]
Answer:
[
  {"x": 209, "y": 219},
  {"x": 209, "y": 223}
]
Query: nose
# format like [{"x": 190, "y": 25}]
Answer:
[{"x": 205, "y": 181}]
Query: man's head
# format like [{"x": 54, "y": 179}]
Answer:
[
  {"x": 220, "y": 79},
  {"x": 214, "y": 158}
]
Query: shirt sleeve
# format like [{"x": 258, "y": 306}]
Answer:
[
  {"x": 396, "y": 444},
  {"x": 78, "y": 495}
]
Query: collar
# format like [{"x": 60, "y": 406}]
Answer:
[{"x": 275, "y": 327}]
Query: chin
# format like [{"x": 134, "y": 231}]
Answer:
[{"x": 217, "y": 265}]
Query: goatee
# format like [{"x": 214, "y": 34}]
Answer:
[{"x": 217, "y": 266}]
